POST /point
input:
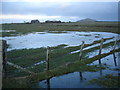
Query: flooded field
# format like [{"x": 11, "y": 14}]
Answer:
[
  {"x": 69, "y": 44},
  {"x": 54, "y": 38},
  {"x": 66, "y": 69}
]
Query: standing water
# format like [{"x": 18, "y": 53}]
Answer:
[
  {"x": 81, "y": 79},
  {"x": 44, "y": 39},
  {"x": 71, "y": 80}
]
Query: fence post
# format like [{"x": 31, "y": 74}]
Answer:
[
  {"x": 101, "y": 44},
  {"x": 81, "y": 49},
  {"x": 47, "y": 58},
  {"x": 114, "y": 52},
  {"x": 4, "y": 57}
]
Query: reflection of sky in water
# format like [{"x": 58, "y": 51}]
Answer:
[
  {"x": 73, "y": 80},
  {"x": 109, "y": 60},
  {"x": 104, "y": 50},
  {"x": 40, "y": 39}
]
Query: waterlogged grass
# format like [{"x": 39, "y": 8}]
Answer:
[
  {"x": 31, "y": 56},
  {"x": 74, "y": 26},
  {"x": 61, "y": 62},
  {"x": 68, "y": 58},
  {"x": 59, "y": 56},
  {"x": 27, "y": 57},
  {"x": 78, "y": 66},
  {"x": 107, "y": 81}
]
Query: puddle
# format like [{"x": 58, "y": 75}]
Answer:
[
  {"x": 44, "y": 39},
  {"x": 72, "y": 80},
  {"x": 81, "y": 79}
]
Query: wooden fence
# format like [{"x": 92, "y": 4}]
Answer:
[
  {"x": 48, "y": 57},
  {"x": 81, "y": 51}
]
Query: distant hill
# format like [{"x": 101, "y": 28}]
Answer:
[{"x": 87, "y": 20}]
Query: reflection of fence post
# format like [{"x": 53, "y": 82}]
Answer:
[
  {"x": 101, "y": 44},
  {"x": 114, "y": 52},
  {"x": 81, "y": 77},
  {"x": 4, "y": 57},
  {"x": 101, "y": 72},
  {"x": 81, "y": 49},
  {"x": 47, "y": 58},
  {"x": 48, "y": 84}
]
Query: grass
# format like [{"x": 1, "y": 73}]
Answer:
[
  {"x": 60, "y": 64},
  {"x": 116, "y": 69},
  {"x": 108, "y": 81},
  {"x": 78, "y": 66},
  {"x": 85, "y": 27},
  {"x": 59, "y": 56}
]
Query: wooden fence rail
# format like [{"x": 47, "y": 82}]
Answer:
[
  {"x": 5, "y": 62},
  {"x": 19, "y": 67}
]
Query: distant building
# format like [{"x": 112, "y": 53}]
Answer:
[
  {"x": 48, "y": 21},
  {"x": 35, "y": 21}
]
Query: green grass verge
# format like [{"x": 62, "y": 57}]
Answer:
[{"x": 85, "y": 27}]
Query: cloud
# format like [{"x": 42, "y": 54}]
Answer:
[
  {"x": 60, "y": 0},
  {"x": 40, "y": 17},
  {"x": 62, "y": 11},
  {"x": 16, "y": 16}
]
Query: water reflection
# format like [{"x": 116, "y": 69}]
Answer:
[
  {"x": 114, "y": 59},
  {"x": 48, "y": 84},
  {"x": 81, "y": 79},
  {"x": 81, "y": 76},
  {"x": 101, "y": 73}
]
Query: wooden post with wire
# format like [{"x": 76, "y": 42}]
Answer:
[
  {"x": 114, "y": 52},
  {"x": 4, "y": 57},
  {"x": 47, "y": 58},
  {"x": 100, "y": 50},
  {"x": 81, "y": 50}
]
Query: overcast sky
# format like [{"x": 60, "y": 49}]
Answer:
[{"x": 64, "y": 11}]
